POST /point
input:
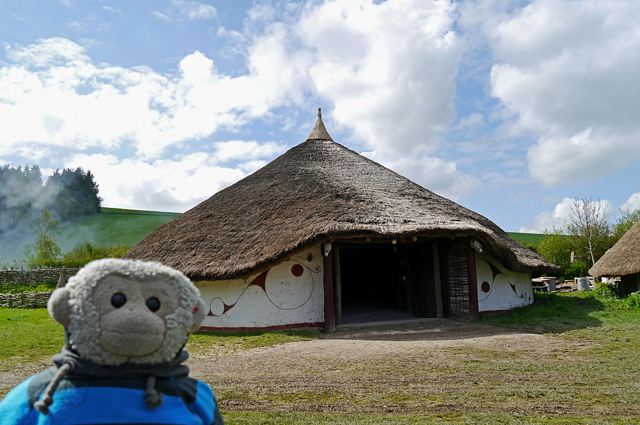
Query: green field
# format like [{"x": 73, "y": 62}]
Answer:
[
  {"x": 114, "y": 226},
  {"x": 533, "y": 238}
]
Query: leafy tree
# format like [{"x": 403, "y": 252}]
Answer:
[
  {"x": 556, "y": 248},
  {"x": 589, "y": 229},
  {"x": 625, "y": 222},
  {"x": 45, "y": 251},
  {"x": 529, "y": 245}
]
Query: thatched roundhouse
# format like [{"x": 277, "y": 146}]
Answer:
[
  {"x": 321, "y": 233},
  {"x": 622, "y": 259}
]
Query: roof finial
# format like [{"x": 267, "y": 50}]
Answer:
[{"x": 319, "y": 132}]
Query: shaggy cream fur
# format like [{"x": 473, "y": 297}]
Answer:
[{"x": 73, "y": 306}]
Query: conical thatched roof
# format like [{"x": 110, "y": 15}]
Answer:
[
  {"x": 623, "y": 258},
  {"x": 316, "y": 192}
]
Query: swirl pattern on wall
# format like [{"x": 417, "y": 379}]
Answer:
[
  {"x": 288, "y": 291},
  {"x": 487, "y": 287}
]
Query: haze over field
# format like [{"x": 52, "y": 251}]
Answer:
[{"x": 511, "y": 108}]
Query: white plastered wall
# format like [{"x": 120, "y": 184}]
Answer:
[
  {"x": 500, "y": 288},
  {"x": 290, "y": 293}
]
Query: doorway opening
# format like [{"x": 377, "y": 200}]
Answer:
[{"x": 385, "y": 282}]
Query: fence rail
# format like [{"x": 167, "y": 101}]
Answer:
[
  {"x": 35, "y": 276},
  {"x": 25, "y": 299}
]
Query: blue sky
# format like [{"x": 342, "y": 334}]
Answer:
[{"x": 510, "y": 108}]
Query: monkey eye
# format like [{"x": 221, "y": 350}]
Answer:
[
  {"x": 154, "y": 304},
  {"x": 118, "y": 300}
]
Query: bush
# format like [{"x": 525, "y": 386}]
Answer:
[
  {"x": 575, "y": 269},
  {"x": 603, "y": 292},
  {"x": 85, "y": 252},
  {"x": 633, "y": 300}
]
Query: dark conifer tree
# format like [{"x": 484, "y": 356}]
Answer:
[{"x": 74, "y": 193}]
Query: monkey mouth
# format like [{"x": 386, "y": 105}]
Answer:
[{"x": 131, "y": 344}]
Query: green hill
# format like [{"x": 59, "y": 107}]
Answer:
[
  {"x": 533, "y": 238},
  {"x": 113, "y": 226}
]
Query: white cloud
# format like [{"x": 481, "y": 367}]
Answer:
[
  {"x": 570, "y": 82},
  {"x": 240, "y": 149},
  {"x": 46, "y": 52},
  {"x": 195, "y": 10},
  {"x": 189, "y": 10},
  {"x": 161, "y": 185},
  {"x": 53, "y": 95},
  {"x": 556, "y": 218},
  {"x": 161, "y": 16},
  {"x": 633, "y": 203},
  {"x": 389, "y": 69},
  {"x": 588, "y": 154}
]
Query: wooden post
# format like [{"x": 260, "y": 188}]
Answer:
[
  {"x": 473, "y": 282},
  {"x": 329, "y": 306},
  {"x": 338, "y": 283},
  {"x": 437, "y": 280}
]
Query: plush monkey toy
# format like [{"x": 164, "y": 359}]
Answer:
[{"x": 126, "y": 323}]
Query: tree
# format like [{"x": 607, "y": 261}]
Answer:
[
  {"x": 625, "y": 222},
  {"x": 45, "y": 251},
  {"x": 75, "y": 193},
  {"x": 556, "y": 248},
  {"x": 20, "y": 195},
  {"x": 589, "y": 229}
]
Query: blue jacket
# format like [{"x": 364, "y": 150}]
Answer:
[{"x": 92, "y": 394}]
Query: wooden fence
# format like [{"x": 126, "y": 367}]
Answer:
[
  {"x": 35, "y": 276},
  {"x": 25, "y": 299}
]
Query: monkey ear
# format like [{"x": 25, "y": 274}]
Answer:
[
  {"x": 198, "y": 315},
  {"x": 58, "y": 306}
]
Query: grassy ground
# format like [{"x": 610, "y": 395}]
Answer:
[{"x": 595, "y": 379}]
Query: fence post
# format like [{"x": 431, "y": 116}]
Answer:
[
  {"x": 22, "y": 299},
  {"x": 9, "y": 299}
]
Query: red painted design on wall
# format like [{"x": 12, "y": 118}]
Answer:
[
  {"x": 297, "y": 270},
  {"x": 487, "y": 287}
]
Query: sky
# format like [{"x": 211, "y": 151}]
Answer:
[{"x": 510, "y": 108}]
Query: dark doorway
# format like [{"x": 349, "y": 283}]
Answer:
[{"x": 382, "y": 282}]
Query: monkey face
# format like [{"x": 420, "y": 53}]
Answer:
[
  {"x": 127, "y": 311},
  {"x": 132, "y": 314}
]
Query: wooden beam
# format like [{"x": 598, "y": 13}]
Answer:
[
  {"x": 473, "y": 282},
  {"x": 437, "y": 280},
  {"x": 338, "y": 283},
  {"x": 329, "y": 306}
]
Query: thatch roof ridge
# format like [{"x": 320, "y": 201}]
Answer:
[
  {"x": 315, "y": 192},
  {"x": 621, "y": 259}
]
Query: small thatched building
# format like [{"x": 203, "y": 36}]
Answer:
[
  {"x": 623, "y": 259},
  {"x": 322, "y": 232}
]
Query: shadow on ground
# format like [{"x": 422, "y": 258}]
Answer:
[{"x": 550, "y": 314}]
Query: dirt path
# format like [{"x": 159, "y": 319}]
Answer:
[{"x": 385, "y": 368}]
